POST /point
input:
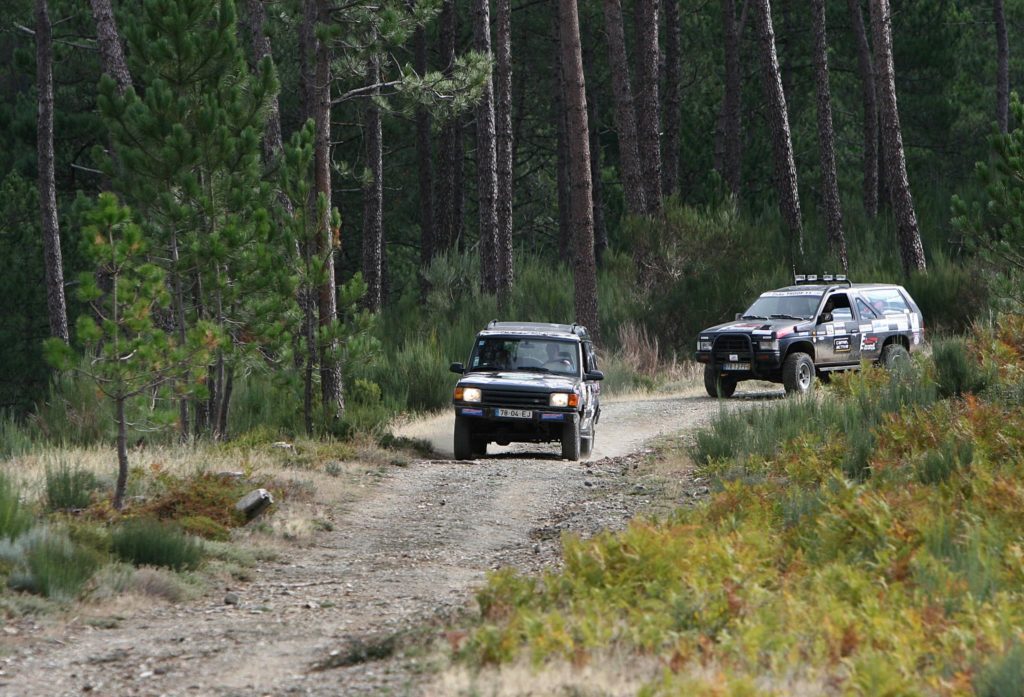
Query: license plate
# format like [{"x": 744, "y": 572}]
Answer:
[
  {"x": 514, "y": 413},
  {"x": 736, "y": 366}
]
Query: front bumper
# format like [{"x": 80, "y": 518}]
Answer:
[
  {"x": 543, "y": 425},
  {"x": 761, "y": 364}
]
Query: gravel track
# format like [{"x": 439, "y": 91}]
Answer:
[{"x": 339, "y": 615}]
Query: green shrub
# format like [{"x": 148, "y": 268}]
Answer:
[
  {"x": 148, "y": 542},
  {"x": 202, "y": 526},
  {"x": 52, "y": 565},
  {"x": 205, "y": 494},
  {"x": 69, "y": 488},
  {"x": 938, "y": 466},
  {"x": 1003, "y": 676},
  {"x": 14, "y": 437},
  {"x": 956, "y": 372},
  {"x": 14, "y": 518}
]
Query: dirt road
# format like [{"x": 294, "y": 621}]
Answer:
[{"x": 339, "y": 615}]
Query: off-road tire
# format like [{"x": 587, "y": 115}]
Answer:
[
  {"x": 479, "y": 447},
  {"x": 464, "y": 440},
  {"x": 798, "y": 373},
  {"x": 587, "y": 444},
  {"x": 894, "y": 355},
  {"x": 717, "y": 386},
  {"x": 571, "y": 441}
]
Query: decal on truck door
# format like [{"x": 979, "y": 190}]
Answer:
[{"x": 842, "y": 344}]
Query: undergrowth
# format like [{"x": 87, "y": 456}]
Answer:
[{"x": 864, "y": 543}]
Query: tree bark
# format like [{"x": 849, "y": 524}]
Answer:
[
  {"x": 826, "y": 138},
  {"x": 55, "y": 301},
  {"x": 584, "y": 266},
  {"x": 122, "y": 454},
  {"x": 424, "y": 162},
  {"x": 111, "y": 48},
  {"x": 562, "y": 175},
  {"x": 909, "y": 237},
  {"x": 868, "y": 91},
  {"x": 450, "y": 190},
  {"x": 1002, "y": 68},
  {"x": 625, "y": 111},
  {"x": 273, "y": 144},
  {"x": 731, "y": 101},
  {"x": 486, "y": 166},
  {"x": 373, "y": 193},
  {"x": 648, "y": 121},
  {"x": 672, "y": 100},
  {"x": 782, "y": 144},
  {"x": 327, "y": 301},
  {"x": 600, "y": 227},
  {"x": 503, "y": 148}
]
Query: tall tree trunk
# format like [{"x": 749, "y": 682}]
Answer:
[
  {"x": 273, "y": 144},
  {"x": 503, "y": 147},
  {"x": 826, "y": 138},
  {"x": 424, "y": 162},
  {"x": 1002, "y": 68},
  {"x": 562, "y": 175},
  {"x": 648, "y": 121},
  {"x": 673, "y": 117},
  {"x": 111, "y": 48},
  {"x": 911, "y": 249},
  {"x": 584, "y": 266},
  {"x": 122, "y": 453},
  {"x": 867, "y": 83},
  {"x": 600, "y": 228},
  {"x": 327, "y": 301},
  {"x": 55, "y": 302},
  {"x": 486, "y": 166},
  {"x": 782, "y": 144},
  {"x": 373, "y": 193},
  {"x": 731, "y": 101},
  {"x": 448, "y": 230},
  {"x": 625, "y": 111}
]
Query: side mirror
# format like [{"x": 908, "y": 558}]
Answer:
[
  {"x": 594, "y": 375},
  {"x": 738, "y": 315},
  {"x": 824, "y": 317},
  {"x": 457, "y": 368}
]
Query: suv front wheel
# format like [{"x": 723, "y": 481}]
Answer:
[
  {"x": 571, "y": 441},
  {"x": 467, "y": 447},
  {"x": 716, "y": 385},
  {"x": 798, "y": 373}
]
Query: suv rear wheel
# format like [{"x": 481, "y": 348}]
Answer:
[
  {"x": 571, "y": 441},
  {"x": 894, "y": 356},
  {"x": 798, "y": 373},
  {"x": 717, "y": 386}
]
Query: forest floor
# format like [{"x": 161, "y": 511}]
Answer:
[{"x": 370, "y": 604}]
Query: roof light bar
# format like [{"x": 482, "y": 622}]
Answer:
[{"x": 799, "y": 278}]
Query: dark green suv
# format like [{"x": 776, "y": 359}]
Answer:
[{"x": 528, "y": 382}]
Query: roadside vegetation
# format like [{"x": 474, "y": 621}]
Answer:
[{"x": 864, "y": 543}]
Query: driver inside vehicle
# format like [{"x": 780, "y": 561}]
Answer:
[{"x": 557, "y": 360}]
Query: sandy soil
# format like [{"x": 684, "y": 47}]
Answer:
[{"x": 356, "y": 609}]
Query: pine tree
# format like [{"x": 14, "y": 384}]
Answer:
[
  {"x": 188, "y": 160},
  {"x": 127, "y": 354},
  {"x": 865, "y": 68},
  {"x": 625, "y": 110}
]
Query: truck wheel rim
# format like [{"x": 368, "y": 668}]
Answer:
[{"x": 804, "y": 376}]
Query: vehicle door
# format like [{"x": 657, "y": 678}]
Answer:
[
  {"x": 871, "y": 339},
  {"x": 895, "y": 316},
  {"x": 591, "y": 388},
  {"x": 837, "y": 331}
]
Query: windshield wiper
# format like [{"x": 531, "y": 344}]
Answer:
[
  {"x": 537, "y": 369},
  {"x": 753, "y": 317},
  {"x": 786, "y": 317}
]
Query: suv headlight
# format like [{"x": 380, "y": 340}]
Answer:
[
  {"x": 767, "y": 345},
  {"x": 563, "y": 399},
  {"x": 468, "y": 394},
  {"x": 703, "y": 345}
]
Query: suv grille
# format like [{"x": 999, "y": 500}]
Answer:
[
  {"x": 733, "y": 344},
  {"x": 513, "y": 398}
]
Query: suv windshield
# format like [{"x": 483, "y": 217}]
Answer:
[
  {"x": 526, "y": 354},
  {"x": 786, "y": 305}
]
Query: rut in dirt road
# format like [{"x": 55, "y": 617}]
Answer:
[{"x": 406, "y": 557}]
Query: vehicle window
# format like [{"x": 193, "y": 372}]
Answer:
[
  {"x": 865, "y": 310},
  {"x": 886, "y": 301},
  {"x": 800, "y": 305},
  {"x": 548, "y": 355},
  {"x": 839, "y": 305}
]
